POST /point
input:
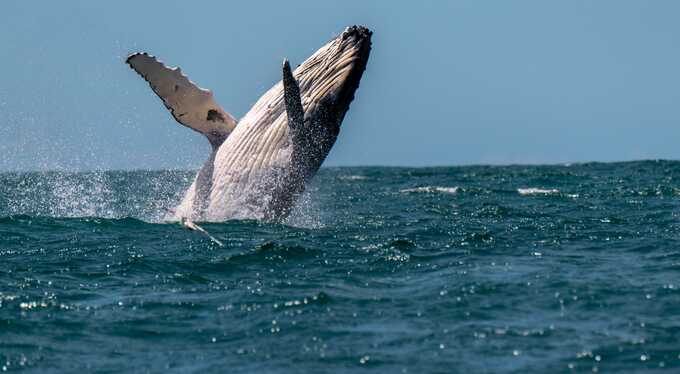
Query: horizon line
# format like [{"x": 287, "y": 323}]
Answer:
[{"x": 462, "y": 165}]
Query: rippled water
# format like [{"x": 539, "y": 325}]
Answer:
[{"x": 460, "y": 269}]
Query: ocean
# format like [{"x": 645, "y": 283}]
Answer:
[{"x": 472, "y": 269}]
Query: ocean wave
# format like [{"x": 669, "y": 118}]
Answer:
[
  {"x": 397, "y": 268},
  {"x": 431, "y": 189},
  {"x": 271, "y": 251},
  {"x": 537, "y": 191}
]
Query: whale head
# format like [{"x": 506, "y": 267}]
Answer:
[
  {"x": 327, "y": 82},
  {"x": 329, "y": 78}
]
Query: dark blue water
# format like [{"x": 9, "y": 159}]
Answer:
[{"x": 460, "y": 269}]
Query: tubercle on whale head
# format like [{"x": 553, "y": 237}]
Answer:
[{"x": 356, "y": 30}]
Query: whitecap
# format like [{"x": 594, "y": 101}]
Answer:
[
  {"x": 353, "y": 177},
  {"x": 431, "y": 189},
  {"x": 537, "y": 191}
]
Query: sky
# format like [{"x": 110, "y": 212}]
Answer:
[{"x": 447, "y": 83}]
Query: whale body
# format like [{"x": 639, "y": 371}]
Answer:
[{"x": 261, "y": 164}]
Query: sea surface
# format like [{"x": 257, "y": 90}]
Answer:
[{"x": 479, "y": 269}]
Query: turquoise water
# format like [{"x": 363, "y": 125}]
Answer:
[{"x": 457, "y": 269}]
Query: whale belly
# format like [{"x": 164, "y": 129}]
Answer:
[{"x": 249, "y": 168}]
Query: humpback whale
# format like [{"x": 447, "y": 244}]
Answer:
[{"x": 261, "y": 164}]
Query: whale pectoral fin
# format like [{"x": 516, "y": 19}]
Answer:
[
  {"x": 291, "y": 96},
  {"x": 190, "y": 105}
]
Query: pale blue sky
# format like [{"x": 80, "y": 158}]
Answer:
[{"x": 448, "y": 83}]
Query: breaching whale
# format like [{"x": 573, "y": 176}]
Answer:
[{"x": 260, "y": 165}]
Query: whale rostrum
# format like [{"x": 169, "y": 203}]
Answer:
[{"x": 259, "y": 166}]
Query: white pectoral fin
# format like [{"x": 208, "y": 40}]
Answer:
[
  {"x": 191, "y": 105},
  {"x": 291, "y": 96}
]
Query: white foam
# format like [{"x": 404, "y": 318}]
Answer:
[
  {"x": 537, "y": 191},
  {"x": 66, "y": 194},
  {"x": 431, "y": 189},
  {"x": 353, "y": 177}
]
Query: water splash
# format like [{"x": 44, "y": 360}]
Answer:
[
  {"x": 105, "y": 194},
  {"x": 306, "y": 213}
]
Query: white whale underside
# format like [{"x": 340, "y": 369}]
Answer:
[
  {"x": 257, "y": 153},
  {"x": 243, "y": 166}
]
